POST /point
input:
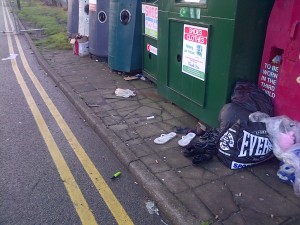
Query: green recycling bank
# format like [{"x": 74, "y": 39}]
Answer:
[{"x": 204, "y": 47}]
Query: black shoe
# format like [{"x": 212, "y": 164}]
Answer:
[
  {"x": 191, "y": 150},
  {"x": 198, "y": 159}
]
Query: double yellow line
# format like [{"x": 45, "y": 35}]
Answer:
[{"x": 85, "y": 214}]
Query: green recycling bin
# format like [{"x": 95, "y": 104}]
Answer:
[
  {"x": 124, "y": 44},
  {"x": 149, "y": 38},
  {"x": 205, "y": 46}
]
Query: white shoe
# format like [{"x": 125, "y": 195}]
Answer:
[
  {"x": 164, "y": 138},
  {"x": 185, "y": 140}
]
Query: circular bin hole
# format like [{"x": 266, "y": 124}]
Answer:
[
  {"x": 86, "y": 9},
  {"x": 125, "y": 16},
  {"x": 102, "y": 17}
]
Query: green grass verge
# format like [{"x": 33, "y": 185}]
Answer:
[{"x": 54, "y": 19}]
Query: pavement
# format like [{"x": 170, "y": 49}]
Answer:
[{"x": 206, "y": 194}]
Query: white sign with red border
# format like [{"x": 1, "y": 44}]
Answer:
[
  {"x": 152, "y": 49},
  {"x": 151, "y": 20},
  {"x": 194, "y": 51}
]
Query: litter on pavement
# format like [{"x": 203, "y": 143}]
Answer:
[
  {"x": 12, "y": 56},
  {"x": 126, "y": 93},
  {"x": 152, "y": 209}
]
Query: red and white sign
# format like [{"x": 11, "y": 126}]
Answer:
[
  {"x": 194, "y": 51},
  {"x": 152, "y": 49}
]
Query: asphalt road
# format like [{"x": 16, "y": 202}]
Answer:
[{"x": 53, "y": 168}]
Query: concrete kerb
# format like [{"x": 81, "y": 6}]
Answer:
[{"x": 167, "y": 202}]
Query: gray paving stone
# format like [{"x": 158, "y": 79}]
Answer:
[
  {"x": 81, "y": 87},
  {"x": 257, "y": 196},
  {"x": 267, "y": 172},
  {"x": 196, "y": 176},
  {"x": 172, "y": 181},
  {"x": 194, "y": 204},
  {"x": 172, "y": 109},
  {"x": 118, "y": 127},
  {"x": 93, "y": 98},
  {"x": 71, "y": 78},
  {"x": 140, "y": 150},
  {"x": 174, "y": 158},
  {"x": 104, "y": 84},
  {"x": 112, "y": 120},
  {"x": 218, "y": 198},
  {"x": 136, "y": 141},
  {"x": 127, "y": 134},
  {"x": 148, "y": 130},
  {"x": 154, "y": 163},
  {"x": 250, "y": 217},
  {"x": 218, "y": 168},
  {"x": 152, "y": 94},
  {"x": 140, "y": 84},
  {"x": 124, "y": 103},
  {"x": 104, "y": 111}
]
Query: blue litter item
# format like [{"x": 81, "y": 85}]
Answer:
[{"x": 286, "y": 173}]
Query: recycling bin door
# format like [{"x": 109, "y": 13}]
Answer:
[
  {"x": 98, "y": 28},
  {"x": 149, "y": 39},
  {"x": 124, "y": 44},
  {"x": 73, "y": 14},
  {"x": 280, "y": 67},
  {"x": 205, "y": 47},
  {"x": 83, "y": 24}
]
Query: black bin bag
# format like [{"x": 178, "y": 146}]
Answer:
[{"x": 245, "y": 144}]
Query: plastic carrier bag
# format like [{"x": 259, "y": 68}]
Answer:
[
  {"x": 244, "y": 145},
  {"x": 285, "y": 136}
]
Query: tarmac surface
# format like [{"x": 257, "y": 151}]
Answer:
[{"x": 209, "y": 193}]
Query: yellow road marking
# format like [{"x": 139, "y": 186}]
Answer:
[
  {"x": 108, "y": 196},
  {"x": 80, "y": 204}
]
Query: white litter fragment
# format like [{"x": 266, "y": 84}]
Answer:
[
  {"x": 126, "y": 93},
  {"x": 12, "y": 56},
  {"x": 150, "y": 117},
  {"x": 152, "y": 209}
]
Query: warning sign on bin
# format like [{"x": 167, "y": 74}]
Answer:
[{"x": 194, "y": 51}]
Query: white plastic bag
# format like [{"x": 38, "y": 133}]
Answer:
[
  {"x": 292, "y": 158},
  {"x": 126, "y": 93}
]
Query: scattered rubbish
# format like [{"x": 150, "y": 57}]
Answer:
[
  {"x": 238, "y": 195},
  {"x": 136, "y": 77},
  {"x": 277, "y": 59},
  {"x": 285, "y": 136},
  {"x": 150, "y": 117},
  {"x": 80, "y": 45},
  {"x": 117, "y": 174},
  {"x": 156, "y": 161},
  {"x": 163, "y": 222},
  {"x": 141, "y": 76},
  {"x": 124, "y": 92},
  {"x": 200, "y": 128},
  {"x": 152, "y": 209},
  {"x": 131, "y": 78},
  {"x": 164, "y": 138},
  {"x": 12, "y": 56},
  {"x": 136, "y": 183}
]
